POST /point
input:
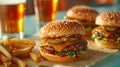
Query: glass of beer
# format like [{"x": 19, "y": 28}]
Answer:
[
  {"x": 45, "y": 10},
  {"x": 12, "y": 13}
]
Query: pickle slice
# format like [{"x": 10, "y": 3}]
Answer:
[
  {"x": 109, "y": 28},
  {"x": 69, "y": 39},
  {"x": 60, "y": 40},
  {"x": 55, "y": 41}
]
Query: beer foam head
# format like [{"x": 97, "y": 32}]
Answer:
[{"x": 8, "y": 2}]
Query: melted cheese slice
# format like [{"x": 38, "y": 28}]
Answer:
[
  {"x": 58, "y": 47},
  {"x": 104, "y": 32}
]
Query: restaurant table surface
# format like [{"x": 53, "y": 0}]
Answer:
[{"x": 31, "y": 28}]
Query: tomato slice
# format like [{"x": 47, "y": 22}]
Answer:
[
  {"x": 46, "y": 51},
  {"x": 62, "y": 55},
  {"x": 112, "y": 39}
]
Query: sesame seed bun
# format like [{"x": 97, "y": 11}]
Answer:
[
  {"x": 81, "y": 12},
  {"x": 108, "y": 19},
  {"x": 59, "y": 28}
]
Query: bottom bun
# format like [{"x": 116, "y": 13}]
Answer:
[
  {"x": 55, "y": 58},
  {"x": 92, "y": 46},
  {"x": 106, "y": 44}
]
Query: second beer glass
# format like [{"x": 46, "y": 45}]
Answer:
[{"x": 45, "y": 10}]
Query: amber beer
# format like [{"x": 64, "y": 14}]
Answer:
[
  {"x": 46, "y": 9},
  {"x": 12, "y": 18}
]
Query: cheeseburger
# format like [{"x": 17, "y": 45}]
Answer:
[
  {"x": 84, "y": 14},
  {"x": 62, "y": 41},
  {"x": 107, "y": 35}
]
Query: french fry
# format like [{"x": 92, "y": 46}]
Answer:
[
  {"x": 6, "y": 61},
  {"x": 21, "y": 41},
  {"x": 5, "y": 39},
  {"x": 7, "y": 64},
  {"x": 5, "y": 52},
  {"x": 5, "y": 42},
  {"x": 21, "y": 52},
  {"x": 35, "y": 56},
  {"x": 10, "y": 49},
  {"x": 16, "y": 43},
  {"x": 21, "y": 47},
  {"x": 19, "y": 62},
  {"x": 5, "y": 55}
]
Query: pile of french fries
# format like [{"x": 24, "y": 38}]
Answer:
[{"x": 12, "y": 50}]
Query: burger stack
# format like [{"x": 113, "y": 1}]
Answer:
[
  {"x": 85, "y": 15},
  {"x": 107, "y": 34},
  {"x": 62, "y": 41}
]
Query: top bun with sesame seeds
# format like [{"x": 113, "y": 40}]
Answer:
[
  {"x": 82, "y": 12},
  {"x": 60, "y": 28},
  {"x": 109, "y": 19}
]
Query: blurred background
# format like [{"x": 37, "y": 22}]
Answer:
[{"x": 66, "y": 4}]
